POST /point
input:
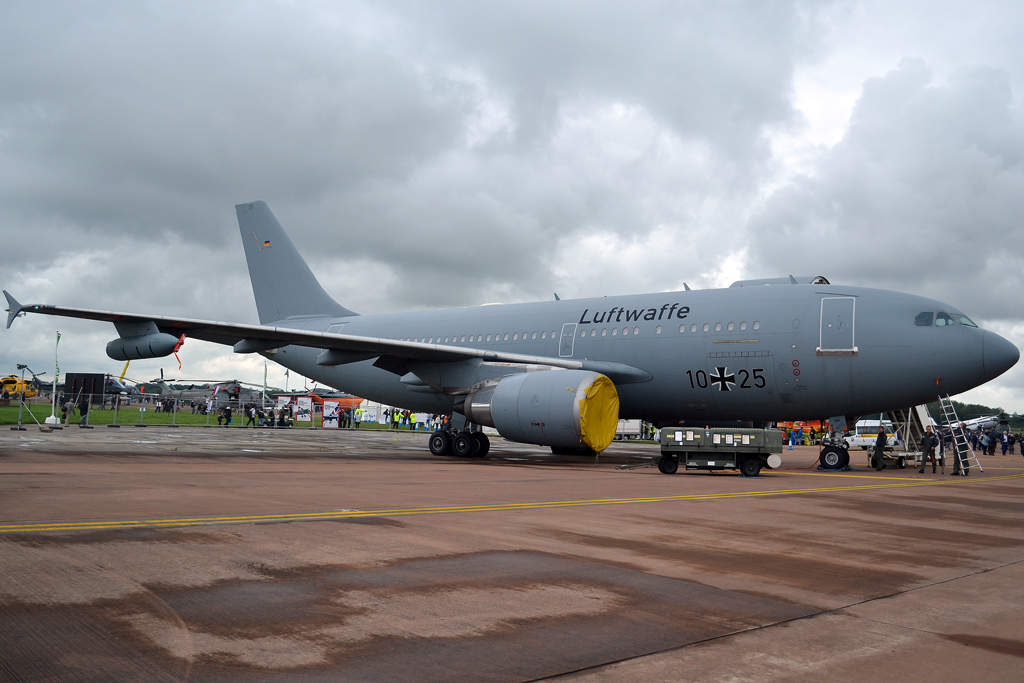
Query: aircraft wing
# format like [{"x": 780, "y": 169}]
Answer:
[{"x": 389, "y": 352}]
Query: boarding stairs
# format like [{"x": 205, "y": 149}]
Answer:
[
  {"x": 909, "y": 424},
  {"x": 961, "y": 445}
]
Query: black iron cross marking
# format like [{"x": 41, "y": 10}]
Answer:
[{"x": 723, "y": 380}]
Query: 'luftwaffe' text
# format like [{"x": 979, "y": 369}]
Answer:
[{"x": 616, "y": 313}]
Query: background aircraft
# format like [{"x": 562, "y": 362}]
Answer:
[
  {"x": 225, "y": 392},
  {"x": 112, "y": 385},
  {"x": 561, "y": 373},
  {"x": 13, "y": 384},
  {"x": 982, "y": 423}
]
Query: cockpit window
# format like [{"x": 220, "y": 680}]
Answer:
[
  {"x": 943, "y": 319},
  {"x": 964, "y": 320},
  {"x": 923, "y": 319}
]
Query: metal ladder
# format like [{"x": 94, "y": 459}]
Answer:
[{"x": 964, "y": 452}]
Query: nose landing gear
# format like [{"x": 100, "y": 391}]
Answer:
[
  {"x": 834, "y": 458},
  {"x": 835, "y": 453}
]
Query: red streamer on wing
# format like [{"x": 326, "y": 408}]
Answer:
[{"x": 181, "y": 340}]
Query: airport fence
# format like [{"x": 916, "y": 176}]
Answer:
[
  {"x": 140, "y": 410},
  {"x": 156, "y": 410}
]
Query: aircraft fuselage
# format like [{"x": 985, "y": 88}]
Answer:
[{"x": 744, "y": 353}]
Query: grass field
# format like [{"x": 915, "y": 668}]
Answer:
[{"x": 130, "y": 416}]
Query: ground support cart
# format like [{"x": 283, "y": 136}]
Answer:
[
  {"x": 747, "y": 450},
  {"x": 893, "y": 457}
]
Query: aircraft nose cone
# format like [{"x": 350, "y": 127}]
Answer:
[{"x": 998, "y": 355}]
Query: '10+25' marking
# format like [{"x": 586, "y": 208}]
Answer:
[{"x": 724, "y": 379}]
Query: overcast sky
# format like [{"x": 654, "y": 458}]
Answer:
[{"x": 426, "y": 155}]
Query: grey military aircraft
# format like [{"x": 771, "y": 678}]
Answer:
[
  {"x": 223, "y": 393},
  {"x": 111, "y": 385},
  {"x": 560, "y": 373}
]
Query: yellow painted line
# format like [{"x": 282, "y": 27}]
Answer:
[
  {"x": 849, "y": 476},
  {"x": 498, "y": 507}
]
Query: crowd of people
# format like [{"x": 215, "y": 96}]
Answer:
[
  {"x": 255, "y": 415},
  {"x": 990, "y": 440}
]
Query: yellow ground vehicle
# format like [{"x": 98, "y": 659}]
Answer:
[{"x": 13, "y": 386}]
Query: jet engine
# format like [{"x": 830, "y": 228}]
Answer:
[
  {"x": 154, "y": 345},
  {"x": 561, "y": 408}
]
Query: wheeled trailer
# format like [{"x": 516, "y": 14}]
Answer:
[
  {"x": 897, "y": 459},
  {"x": 746, "y": 450}
]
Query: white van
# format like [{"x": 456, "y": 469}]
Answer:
[{"x": 866, "y": 431}]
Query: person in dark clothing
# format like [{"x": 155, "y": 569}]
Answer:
[
  {"x": 880, "y": 449},
  {"x": 928, "y": 443}
]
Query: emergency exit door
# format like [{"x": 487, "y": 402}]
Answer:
[
  {"x": 837, "y": 331},
  {"x": 565, "y": 344}
]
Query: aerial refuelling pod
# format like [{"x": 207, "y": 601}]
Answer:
[
  {"x": 562, "y": 408},
  {"x": 155, "y": 345}
]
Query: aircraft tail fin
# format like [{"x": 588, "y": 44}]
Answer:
[
  {"x": 13, "y": 308},
  {"x": 282, "y": 283}
]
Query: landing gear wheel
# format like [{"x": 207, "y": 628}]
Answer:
[
  {"x": 831, "y": 458},
  {"x": 751, "y": 467},
  {"x": 483, "y": 444},
  {"x": 668, "y": 464},
  {"x": 463, "y": 444},
  {"x": 846, "y": 459},
  {"x": 440, "y": 443}
]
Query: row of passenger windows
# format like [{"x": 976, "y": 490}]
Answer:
[
  {"x": 479, "y": 337},
  {"x": 515, "y": 336},
  {"x": 924, "y": 319},
  {"x": 682, "y": 328}
]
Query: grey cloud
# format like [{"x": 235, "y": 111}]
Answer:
[
  {"x": 714, "y": 70},
  {"x": 138, "y": 119},
  {"x": 139, "y": 116},
  {"x": 925, "y": 193}
]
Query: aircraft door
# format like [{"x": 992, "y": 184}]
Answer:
[
  {"x": 568, "y": 339},
  {"x": 836, "y": 332}
]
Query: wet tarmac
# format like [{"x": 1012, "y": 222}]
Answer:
[{"x": 245, "y": 555}]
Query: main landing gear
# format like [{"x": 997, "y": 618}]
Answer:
[
  {"x": 834, "y": 458},
  {"x": 461, "y": 444}
]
